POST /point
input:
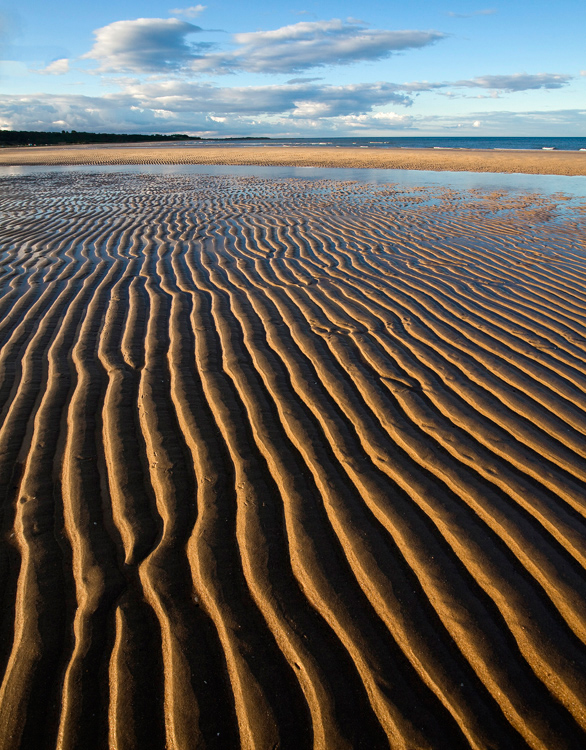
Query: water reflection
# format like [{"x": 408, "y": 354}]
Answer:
[{"x": 535, "y": 183}]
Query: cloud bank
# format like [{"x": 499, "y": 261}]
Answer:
[
  {"x": 295, "y": 100},
  {"x": 263, "y": 110}
]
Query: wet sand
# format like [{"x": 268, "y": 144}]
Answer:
[
  {"x": 528, "y": 162},
  {"x": 291, "y": 464}
]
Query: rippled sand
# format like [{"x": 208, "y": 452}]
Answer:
[
  {"x": 291, "y": 464},
  {"x": 529, "y": 162}
]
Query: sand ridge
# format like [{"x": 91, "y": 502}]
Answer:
[
  {"x": 528, "y": 162},
  {"x": 291, "y": 463}
]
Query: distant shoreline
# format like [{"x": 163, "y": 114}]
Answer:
[
  {"x": 569, "y": 163},
  {"x": 28, "y": 138}
]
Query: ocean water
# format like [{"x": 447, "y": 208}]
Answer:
[{"x": 525, "y": 144}]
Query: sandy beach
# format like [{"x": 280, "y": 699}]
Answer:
[
  {"x": 291, "y": 463},
  {"x": 528, "y": 162}
]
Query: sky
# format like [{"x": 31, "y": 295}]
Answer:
[{"x": 320, "y": 68}]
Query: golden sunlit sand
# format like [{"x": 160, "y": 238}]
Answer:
[
  {"x": 529, "y": 162},
  {"x": 291, "y": 463}
]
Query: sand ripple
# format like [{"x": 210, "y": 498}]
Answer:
[{"x": 291, "y": 464}]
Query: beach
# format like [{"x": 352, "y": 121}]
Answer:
[
  {"x": 511, "y": 161},
  {"x": 291, "y": 463}
]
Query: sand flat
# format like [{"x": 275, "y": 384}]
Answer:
[
  {"x": 528, "y": 162},
  {"x": 291, "y": 464}
]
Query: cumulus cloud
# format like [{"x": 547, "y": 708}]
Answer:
[
  {"x": 192, "y": 12},
  {"x": 56, "y": 68},
  {"x": 485, "y": 12},
  {"x": 311, "y": 44},
  {"x": 144, "y": 45}
]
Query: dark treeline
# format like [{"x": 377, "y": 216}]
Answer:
[
  {"x": 63, "y": 137},
  {"x": 36, "y": 138}
]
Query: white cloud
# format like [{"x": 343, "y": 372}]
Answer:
[
  {"x": 415, "y": 86},
  {"x": 311, "y": 109},
  {"x": 511, "y": 83},
  {"x": 476, "y": 124},
  {"x": 331, "y": 101},
  {"x": 311, "y": 44},
  {"x": 192, "y": 12},
  {"x": 518, "y": 81},
  {"x": 376, "y": 121},
  {"x": 144, "y": 45},
  {"x": 183, "y": 108},
  {"x": 56, "y": 68},
  {"x": 561, "y": 122},
  {"x": 379, "y": 123},
  {"x": 151, "y": 45}
]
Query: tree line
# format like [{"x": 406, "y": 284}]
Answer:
[{"x": 64, "y": 137}]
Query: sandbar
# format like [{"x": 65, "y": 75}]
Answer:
[{"x": 526, "y": 162}]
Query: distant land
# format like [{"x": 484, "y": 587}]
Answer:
[{"x": 64, "y": 137}]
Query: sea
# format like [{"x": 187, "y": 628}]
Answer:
[{"x": 443, "y": 142}]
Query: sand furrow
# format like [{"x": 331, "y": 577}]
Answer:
[
  {"x": 38, "y": 533},
  {"x": 163, "y": 571},
  {"x": 250, "y": 488},
  {"x": 444, "y": 328},
  {"x": 463, "y": 369},
  {"x": 344, "y": 452},
  {"x": 290, "y": 463},
  {"x": 304, "y": 561},
  {"x": 97, "y": 578},
  {"x": 370, "y": 492},
  {"x": 257, "y": 407}
]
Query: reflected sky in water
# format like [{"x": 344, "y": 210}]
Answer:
[{"x": 535, "y": 183}]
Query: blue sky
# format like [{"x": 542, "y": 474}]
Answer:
[{"x": 428, "y": 67}]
